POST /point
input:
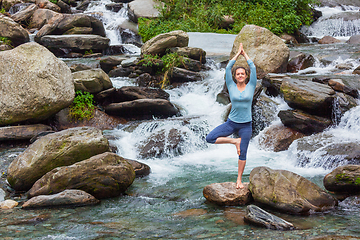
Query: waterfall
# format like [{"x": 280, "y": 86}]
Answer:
[{"x": 332, "y": 23}]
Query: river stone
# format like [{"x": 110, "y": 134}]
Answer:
[
  {"x": 109, "y": 63},
  {"x": 227, "y": 194},
  {"x": 269, "y": 53},
  {"x": 54, "y": 150},
  {"x": 130, "y": 93},
  {"x": 13, "y": 31},
  {"x": 46, "y": 4},
  {"x": 141, "y": 169},
  {"x": 191, "y": 52},
  {"x": 288, "y": 192},
  {"x": 92, "y": 80},
  {"x": 25, "y": 13},
  {"x": 338, "y": 85},
  {"x": 142, "y": 109},
  {"x": 278, "y": 138},
  {"x": 300, "y": 62},
  {"x": 34, "y": 84},
  {"x": 143, "y": 8},
  {"x": 22, "y": 132},
  {"x": 303, "y": 122},
  {"x": 103, "y": 176},
  {"x": 328, "y": 40},
  {"x": 180, "y": 75},
  {"x": 42, "y": 17},
  {"x": 161, "y": 42},
  {"x": 312, "y": 97},
  {"x": 344, "y": 179},
  {"x": 69, "y": 197},
  {"x": 8, "y": 204},
  {"x": 258, "y": 216},
  {"x": 355, "y": 39},
  {"x": 75, "y": 42}
]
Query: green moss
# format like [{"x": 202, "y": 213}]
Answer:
[
  {"x": 357, "y": 181},
  {"x": 342, "y": 177}
]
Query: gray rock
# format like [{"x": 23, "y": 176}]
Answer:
[
  {"x": 258, "y": 216},
  {"x": 75, "y": 42},
  {"x": 144, "y": 8},
  {"x": 54, "y": 150},
  {"x": 269, "y": 53},
  {"x": 344, "y": 179},
  {"x": 227, "y": 194},
  {"x": 22, "y": 132},
  {"x": 25, "y": 13},
  {"x": 103, "y": 176},
  {"x": 92, "y": 80},
  {"x": 355, "y": 39},
  {"x": 34, "y": 84},
  {"x": 288, "y": 192},
  {"x": 180, "y": 75},
  {"x": 69, "y": 197},
  {"x": 13, "y": 31}
]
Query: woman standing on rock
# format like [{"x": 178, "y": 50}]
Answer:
[{"x": 241, "y": 91}]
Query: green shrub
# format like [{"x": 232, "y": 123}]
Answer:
[
  {"x": 54, "y": 1},
  {"x": 2, "y": 10},
  {"x": 82, "y": 106},
  {"x": 206, "y": 15}
]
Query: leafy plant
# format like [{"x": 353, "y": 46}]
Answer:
[
  {"x": 170, "y": 61},
  {"x": 82, "y": 106},
  {"x": 148, "y": 60},
  {"x": 54, "y": 1},
  {"x": 6, "y": 41},
  {"x": 2, "y": 10},
  {"x": 88, "y": 52}
]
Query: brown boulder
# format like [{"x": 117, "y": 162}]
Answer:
[{"x": 227, "y": 194}]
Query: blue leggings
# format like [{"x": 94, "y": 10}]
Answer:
[{"x": 244, "y": 130}]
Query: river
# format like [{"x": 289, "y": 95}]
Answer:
[{"x": 169, "y": 204}]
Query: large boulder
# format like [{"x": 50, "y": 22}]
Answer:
[
  {"x": 13, "y": 31},
  {"x": 227, "y": 194},
  {"x": 22, "y": 132},
  {"x": 287, "y": 191},
  {"x": 161, "y": 42},
  {"x": 43, "y": 16},
  {"x": 191, "y": 52},
  {"x": 269, "y": 53},
  {"x": 103, "y": 176},
  {"x": 92, "y": 80},
  {"x": 344, "y": 179},
  {"x": 312, "y": 97},
  {"x": 34, "y": 84},
  {"x": 143, "y": 8},
  {"x": 69, "y": 198},
  {"x": 75, "y": 42},
  {"x": 24, "y": 14},
  {"x": 54, "y": 150}
]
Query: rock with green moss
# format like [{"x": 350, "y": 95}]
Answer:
[
  {"x": 55, "y": 150},
  {"x": 103, "y": 176},
  {"x": 344, "y": 179},
  {"x": 13, "y": 31},
  {"x": 288, "y": 192}
]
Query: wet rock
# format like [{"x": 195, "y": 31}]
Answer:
[
  {"x": 163, "y": 143},
  {"x": 300, "y": 62},
  {"x": 258, "y": 216},
  {"x": 120, "y": 72},
  {"x": 180, "y": 75},
  {"x": 141, "y": 169},
  {"x": 116, "y": 50},
  {"x": 46, "y": 4},
  {"x": 129, "y": 36},
  {"x": 79, "y": 67},
  {"x": 100, "y": 120},
  {"x": 42, "y": 17},
  {"x": 103, "y": 176},
  {"x": 328, "y": 40},
  {"x": 269, "y": 53},
  {"x": 191, "y": 52},
  {"x": 32, "y": 221},
  {"x": 334, "y": 237},
  {"x": 13, "y": 31},
  {"x": 146, "y": 80},
  {"x": 75, "y": 42},
  {"x": 114, "y": 7},
  {"x": 272, "y": 83},
  {"x": 130, "y": 93},
  {"x": 355, "y": 39},
  {"x": 288, "y": 192},
  {"x": 65, "y": 8},
  {"x": 22, "y": 132},
  {"x": 92, "y": 80},
  {"x": 142, "y": 109},
  {"x": 227, "y": 194},
  {"x": 2, "y": 195},
  {"x": 343, "y": 179},
  {"x": 54, "y": 150},
  {"x": 69, "y": 198},
  {"x": 8, "y": 204},
  {"x": 34, "y": 84},
  {"x": 83, "y": 5},
  {"x": 278, "y": 138},
  {"x": 288, "y": 39},
  {"x": 78, "y": 30},
  {"x": 338, "y": 85},
  {"x": 109, "y": 63},
  {"x": 357, "y": 70},
  {"x": 303, "y": 122},
  {"x": 161, "y": 42},
  {"x": 312, "y": 97},
  {"x": 24, "y": 14}
]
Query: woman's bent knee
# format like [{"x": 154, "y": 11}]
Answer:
[{"x": 210, "y": 138}]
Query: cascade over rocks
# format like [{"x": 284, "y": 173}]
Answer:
[
  {"x": 69, "y": 198},
  {"x": 344, "y": 179},
  {"x": 103, "y": 176},
  {"x": 227, "y": 194},
  {"x": 287, "y": 191},
  {"x": 13, "y": 31},
  {"x": 161, "y": 42},
  {"x": 269, "y": 53},
  {"x": 300, "y": 62},
  {"x": 54, "y": 150},
  {"x": 34, "y": 84}
]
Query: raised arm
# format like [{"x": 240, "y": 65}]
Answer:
[{"x": 241, "y": 52}]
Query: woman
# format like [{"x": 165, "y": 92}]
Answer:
[{"x": 239, "y": 121}]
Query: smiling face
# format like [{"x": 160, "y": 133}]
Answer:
[{"x": 240, "y": 75}]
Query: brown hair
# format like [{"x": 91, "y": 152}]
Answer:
[{"x": 233, "y": 71}]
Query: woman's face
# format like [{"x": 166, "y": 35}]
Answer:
[{"x": 240, "y": 75}]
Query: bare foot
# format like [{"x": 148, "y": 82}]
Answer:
[
  {"x": 237, "y": 144},
  {"x": 239, "y": 185}
]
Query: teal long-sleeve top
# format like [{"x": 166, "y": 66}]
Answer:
[{"x": 241, "y": 102}]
